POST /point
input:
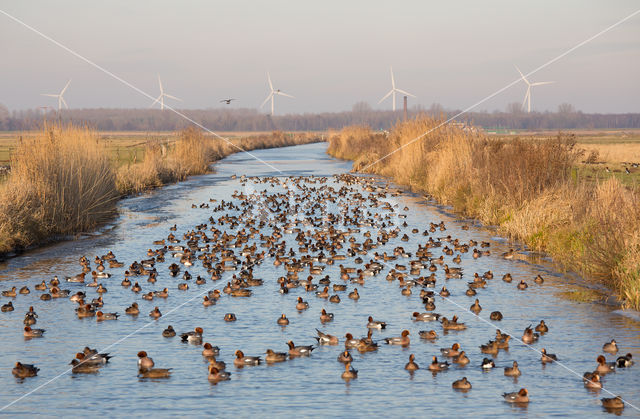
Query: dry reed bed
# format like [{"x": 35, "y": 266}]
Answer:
[
  {"x": 527, "y": 188},
  {"x": 62, "y": 181}
]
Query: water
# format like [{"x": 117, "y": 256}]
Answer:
[{"x": 307, "y": 386}]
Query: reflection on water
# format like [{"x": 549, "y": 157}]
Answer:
[{"x": 302, "y": 386}]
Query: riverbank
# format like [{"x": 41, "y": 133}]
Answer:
[
  {"x": 64, "y": 180},
  {"x": 531, "y": 189}
]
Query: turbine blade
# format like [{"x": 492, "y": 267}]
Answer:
[
  {"x": 284, "y": 94},
  {"x": 540, "y": 83},
  {"x": 393, "y": 80},
  {"x": 48, "y": 94},
  {"x": 385, "y": 96},
  {"x": 269, "y": 78},
  {"x": 65, "y": 103},
  {"x": 155, "y": 101},
  {"x": 526, "y": 96},
  {"x": 172, "y": 97},
  {"x": 405, "y": 93},
  {"x": 267, "y": 100},
  {"x": 65, "y": 87},
  {"x": 160, "y": 83},
  {"x": 521, "y": 75}
]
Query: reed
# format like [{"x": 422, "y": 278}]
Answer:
[{"x": 526, "y": 187}]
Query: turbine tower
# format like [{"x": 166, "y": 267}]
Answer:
[
  {"x": 273, "y": 92},
  {"x": 162, "y": 96},
  {"x": 60, "y": 96},
  {"x": 527, "y": 97},
  {"x": 393, "y": 91}
]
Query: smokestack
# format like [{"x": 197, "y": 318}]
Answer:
[{"x": 405, "y": 108}]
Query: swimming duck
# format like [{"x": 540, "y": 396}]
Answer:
[
  {"x": 444, "y": 292},
  {"x": 325, "y": 317},
  {"x": 133, "y": 309},
  {"x": 461, "y": 359},
  {"x": 513, "y": 371},
  {"x": 452, "y": 324},
  {"x": 273, "y": 357},
  {"x": 242, "y": 360},
  {"x": 547, "y": 358},
  {"x": 24, "y": 290},
  {"x": 376, "y": 324},
  {"x": 169, "y": 332},
  {"x": 507, "y": 277},
  {"x": 230, "y": 317},
  {"x": 349, "y": 373},
  {"x": 451, "y": 352},
  {"x": 522, "y": 285},
  {"x": 7, "y": 307},
  {"x": 538, "y": 279},
  {"x": 334, "y": 298},
  {"x": 302, "y": 305},
  {"x": 613, "y": 403},
  {"x": 345, "y": 357},
  {"x": 487, "y": 364},
  {"x": 462, "y": 384},
  {"x": 542, "y": 327},
  {"x": 282, "y": 320},
  {"x": 194, "y": 337},
  {"x": 156, "y": 373},
  {"x": 295, "y": 351},
  {"x": 475, "y": 307},
  {"x": 529, "y": 337},
  {"x": 611, "y": 347},
  {"x": 495, "y": 315},
  {"x": 33, "y": 333},
  {"x": 209, "y": 350},
  {"x": 326, "y": 339},
  {"x": 521, "y": 396},
  {"x": 155, "y": 313},
  {"x": 411, "y": 365},
  {"x": 354, "y": 295},
  {"x": 100, "y": 316},
  {"x": 144, "y": 361},
  {"x": 403, "y": 339},
  {"x": 220, "y": 365},
  {"x": 428, "y": 334},
  {"x": 603, "y": 366},
  {"x": 216, "y": 375},
  {"x": 41, "y": 286},
  {"x": 436, "y": 366},
  {"x": 349, "y": 341},
  {"x": 425, "y": 317},
  {"x": 592, "y": 380},
  {"x": 21, "y": 370},
  {"x": 624, "y": 361}
]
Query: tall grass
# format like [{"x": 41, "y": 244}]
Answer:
[
  {"x": 525, "y": 187},
  {"x": 60, "y": 182}
]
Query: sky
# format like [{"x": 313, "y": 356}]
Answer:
[{"x": 328, "y": 54}]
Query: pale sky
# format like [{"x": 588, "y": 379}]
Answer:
[{"x": 328, "y": 54}]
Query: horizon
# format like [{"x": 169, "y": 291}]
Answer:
[{"x": 443, "y": 54}]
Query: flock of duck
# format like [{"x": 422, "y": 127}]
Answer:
[{"x": 345, "y": 221}]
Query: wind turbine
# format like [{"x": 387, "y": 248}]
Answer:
[
  {"x": 59, "y": 96},
  {"x": 527, "y": 97},
  {"x": 162, "y": 96},
  {"x": 272, "y": 94},
  {"x": 393, "y": 91}
]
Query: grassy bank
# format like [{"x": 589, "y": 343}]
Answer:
[
  {"x": 532, "y": 189},
  {"x": 66, "y": 180}
]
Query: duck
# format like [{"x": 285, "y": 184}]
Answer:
[
  {"x": 345, "y": 357},
  {"x": 428, "y": 334},
  {"x": 295, "y": 351},
  {"x": 156, "y": 373},
  {"x": 216, "y": 375},
  {"x": 452, "y": 324},
  {"x": 301, "y": 305},
  {"x": 611, "y": 347},
  {"x": 376, "y": 324},
  {"x": 461, "y": 359},
  {"x": 33, "y": 333},
  {"x": 592, "y": 380},
  {"x": 144, "y": 361},
  {"x": 507, "y": 277},
  {"x": 273, "y": 357},
  {"x": 21, "y": 370},
  {"x": 334, "y": 298},
  {"x": 220, "y": 365},
  {"x": 282, "y": 320},
  {"x": 242, "y": 360},
  {"x": 475, "y": 307},
  {"x": 349, "y": 341},
  {"x": 41, "y": 286},
  {"x": 169, "y": 332},
  {"x": 100, "y": 316},
  {"x": 613, "y": 403},
  {"x": 512, "y": 371},
  {"x": 462, "y": 384},
  {"x": 80, "y": 367},
  {"x": 522, "y": 285},
  {"x": 436, "y": 366},
  {"x": 349, "y": 373},
  {"x": 354, "y": 295},
  {"x": 7, "y": 307},
  {"x": 133, "y": 309},
  {"x": 529, "y": 337},
  {"x": 624, "y": 361},
  {"x": 325, "y": 317},
  {"x": 496, "y": 316},
  {"x": 209, "y": 350},
  {"x": 230, "y": 317},
  {"x": 403, "y": 339},
  {"x": 411, "y": 365},
  {"x": 542, "y": 327},
  {"x": 425, "y": 317},
  {"x": 487, "y": 364},
  {"x": 521, "y": 396},
  {"x": 444, "y": 292},
  {"x": 155, "y": 313},
  {"x": 326, "y": 339},
  {"x": 451, "y": 352},
  {"x": 547, "y": 358},
  {"x": 24, "y": 290},
  {"x": 603, "y": 366},
  {"x": 194, "y": 336}
]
